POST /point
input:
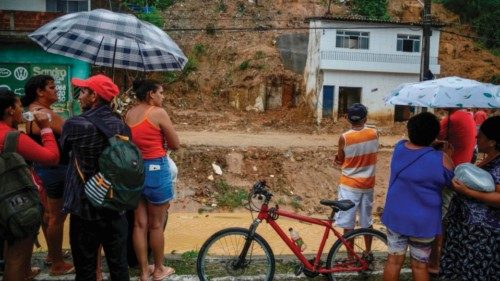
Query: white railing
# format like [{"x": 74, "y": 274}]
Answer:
[{"x": 373, "y": 57}]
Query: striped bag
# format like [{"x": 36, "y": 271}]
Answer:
[{"x": 96, "y": 189}]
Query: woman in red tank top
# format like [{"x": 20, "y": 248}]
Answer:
[{"x": 153, "y": 133}]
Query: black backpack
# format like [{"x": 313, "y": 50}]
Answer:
[{"x": 20, "y": 207}]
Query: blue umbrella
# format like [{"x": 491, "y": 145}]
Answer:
[{"x": 105, "y": 38}]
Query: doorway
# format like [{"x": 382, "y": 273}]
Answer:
[
  {"x": 328, "y": 100},
  {"x": 347, "y": 97}
]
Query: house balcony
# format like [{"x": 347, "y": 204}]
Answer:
[{"x": 375, "y": 62}]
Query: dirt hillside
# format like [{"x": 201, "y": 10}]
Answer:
[{"x": 232, "y": 63}]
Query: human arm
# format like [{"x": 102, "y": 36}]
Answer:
[
  {"x": 46, "y": 154},
  {"x": 55, "y": 124},
  {"x": 340, "y": 157},
  {"x": 489, "y": 198},
  {"x": 167, "y": 128}
]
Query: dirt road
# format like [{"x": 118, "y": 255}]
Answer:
[{"x": 281, "y": 140}]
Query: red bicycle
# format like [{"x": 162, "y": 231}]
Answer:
[{"x": 239, "y": 254}]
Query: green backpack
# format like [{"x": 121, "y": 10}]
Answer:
[
  {"x": 20, "y": 207},
  {"x": 119, "y": 183}
]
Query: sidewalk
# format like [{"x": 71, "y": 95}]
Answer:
[{"x": 37, "y": 260}]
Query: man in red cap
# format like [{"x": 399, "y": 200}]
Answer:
[{"x": 89, "y": 226}]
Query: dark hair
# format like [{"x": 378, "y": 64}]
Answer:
[
  {"x": 34, "y": 83},
  {"x": 423, "y": 128},
  {"x": 491, "y": 129},
  {"x": 143, "y": 87},
  {"x": 7, "y": 99}
]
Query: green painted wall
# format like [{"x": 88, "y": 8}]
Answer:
[{"x": 18, "y": 62}]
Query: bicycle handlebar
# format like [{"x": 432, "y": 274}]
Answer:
[{"x": 261, "y": 188}]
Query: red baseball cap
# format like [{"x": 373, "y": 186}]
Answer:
[{"x": 99, "y": 84}]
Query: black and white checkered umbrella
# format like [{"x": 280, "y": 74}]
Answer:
[{"x": 105, "y": 38}]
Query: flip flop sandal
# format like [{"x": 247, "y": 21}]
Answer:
[{"x": 169, "y": 272}]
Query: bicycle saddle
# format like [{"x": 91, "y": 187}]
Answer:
[{"x": 342, "y": 205}]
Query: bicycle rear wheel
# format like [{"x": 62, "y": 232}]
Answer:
[
  {"x": 375, "y": 255},
  {"x": 219, "y": 257}
]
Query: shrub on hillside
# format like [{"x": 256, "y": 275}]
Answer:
[{"x": 373, "y": 9}]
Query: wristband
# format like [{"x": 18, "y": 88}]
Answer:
[{"x": 46, "y": 131}]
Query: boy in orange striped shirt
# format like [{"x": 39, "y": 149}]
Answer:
[{"x": 357, "y": 156}]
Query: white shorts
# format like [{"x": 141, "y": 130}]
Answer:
[{"x": 363, "y": 201}]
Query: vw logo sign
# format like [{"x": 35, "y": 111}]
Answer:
[{"x": 20, "y": 73}]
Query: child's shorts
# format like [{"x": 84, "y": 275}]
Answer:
[
  {"x": 158, "y": 188},
  {"x": 363, "y": 202}
]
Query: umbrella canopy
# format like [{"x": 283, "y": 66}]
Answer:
[
  {"x": 105, "y": 38},
  {"x": 447, "y": 92}
]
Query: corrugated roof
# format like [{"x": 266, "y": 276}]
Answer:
[{"x": 368, "y": 20}]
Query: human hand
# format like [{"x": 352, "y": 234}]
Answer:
[
  {"x": 459, "y": 186},
  {"x": 42, "y": 119}
]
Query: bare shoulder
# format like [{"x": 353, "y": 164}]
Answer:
[{"x": 447, "y": 162}]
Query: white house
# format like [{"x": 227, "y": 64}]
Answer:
[{"x": 357, "y": 60}]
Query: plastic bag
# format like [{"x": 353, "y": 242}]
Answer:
[{"x": 475, "y": 177}]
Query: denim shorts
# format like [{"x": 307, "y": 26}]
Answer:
[
  {"x": 420, "y": 248},
  {"x": 363, "y": 202},
  {"x": 53, "y": 179},
  {"x": 158, "y": 188}
]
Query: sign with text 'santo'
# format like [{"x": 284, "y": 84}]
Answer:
[{"x": 14, "y": 77}]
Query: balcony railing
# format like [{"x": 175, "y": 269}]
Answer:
[{"x": 373, "y": 57}]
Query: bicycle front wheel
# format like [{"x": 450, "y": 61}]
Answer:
[
  {"x": 221, "y": 258},
  {"x": 368, "y": 244}
]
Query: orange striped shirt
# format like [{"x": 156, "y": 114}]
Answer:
[{"x": 360, "y": 149}]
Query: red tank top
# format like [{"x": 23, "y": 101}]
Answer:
[{"x": 148, "y": 138}]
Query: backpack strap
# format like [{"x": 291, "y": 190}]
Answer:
[
  {"x": 409, "y": 164},
  {"x": 101, "y": 126},
  {"x": 10, "y": 142}
]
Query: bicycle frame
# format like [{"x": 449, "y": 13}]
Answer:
[{"x": 266, "y": 214}]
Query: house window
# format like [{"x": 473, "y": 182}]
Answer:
[
  {"x": 408, "y": 43},
  {"x": 67, "y": 6},
  {"x": 352, "y": 39}
]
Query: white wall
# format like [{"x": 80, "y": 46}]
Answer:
[
  {"x": 382, "y": 41},
  {"x": 381, "y": 83},
  {"x": 23, "y": 5}
]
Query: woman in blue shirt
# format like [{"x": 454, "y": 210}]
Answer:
[{"x": 412, "y": 212}]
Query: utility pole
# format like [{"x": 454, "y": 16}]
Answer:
[{"x": 426, "y": 34}]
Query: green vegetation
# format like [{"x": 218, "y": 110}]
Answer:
[
  {"x": 372, "y": 9},
  {"x": 153, "y": 17},
  {"x": 483, "y": 15},
  {"x": 229, "y": 196},
  {"x": 221, "y": 7},
  {"x": 158, "y": 4},
  {"x": 258, "y": 55},
  {"x": 186, "y": 264},
  {"x": 296, "y": 204},
  {"x": 172, "y": 76},
  {"x": 241, "y": 8},
  {"x": 244, "y": 65},
  {"x": 199, "y": 50}
]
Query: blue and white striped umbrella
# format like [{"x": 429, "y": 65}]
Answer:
[
  {"x": 447, "y": 92},
  {"x": 105, "y": 38}
]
